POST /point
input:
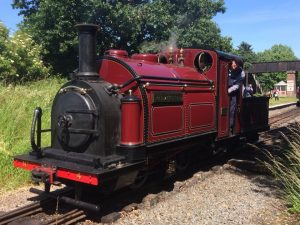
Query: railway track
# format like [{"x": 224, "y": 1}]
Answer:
[
  {"x": 70, "y": 217},
  {"x": 47, "y": 206},
  {"x": 27, "y": 213},
  {"x": 22, "y": 212},
  {"x": 284, "y": 117}
]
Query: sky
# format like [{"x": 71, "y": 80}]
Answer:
[
  {"x": 261, "y": 23},
  {"x": 8, "y": 15}
]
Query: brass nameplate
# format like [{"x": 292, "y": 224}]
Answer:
[{"x": 167, "y": 98}]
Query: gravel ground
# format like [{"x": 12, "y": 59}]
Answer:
[
  {"x": 14, "y": 199},
  {"x": 224, "y": 197},
  {"x": 20, "y": 197}
]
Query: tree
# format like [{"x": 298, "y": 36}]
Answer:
[
  {"x": 20, "y": 58},
  {"x": 275, "y": 53},
  {"x": 6, "y": 67},
  {"x": 135, "y": 25},
  {"x": 245, "y": 50},
  {"x": 3, "y": 37}
]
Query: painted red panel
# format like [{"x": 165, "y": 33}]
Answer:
[
  {"x": 78, "y": 176},
  {"x": 202, "y": 115},
  {"x": 223, "y": 114},
  {"x": 200, "y": 112},
  {"x": 167, "y": 120},
  {"x": 164, "y": 70},
  {"x": 25, "y": 164},
  {"x": 211, "y": 74},
  {"x": 114, "y": 72}
]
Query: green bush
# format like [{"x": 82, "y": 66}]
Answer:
[{"x": 20, "y": 58}]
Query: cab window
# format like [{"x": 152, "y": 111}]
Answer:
[{"x": 203, "y": 62}]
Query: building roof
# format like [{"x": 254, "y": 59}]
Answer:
[{"x": 281, "y": 83}]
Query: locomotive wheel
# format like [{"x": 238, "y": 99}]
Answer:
[
  {"x": 78, "y": 191},
  {"x": 47, "y": 187},
  {"x": 162, "y": 170},
  {"x": 182, "y": 162},
  {"x": 140, "y": 180},
  {"x": 252, "y": 137}
]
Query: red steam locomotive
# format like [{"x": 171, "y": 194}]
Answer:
[{"x": 121, "y": 117}]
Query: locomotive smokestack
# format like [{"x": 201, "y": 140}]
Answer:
[{"x": 87, "y": 51}]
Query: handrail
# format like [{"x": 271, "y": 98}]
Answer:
[{"x": 36, "y": 123}]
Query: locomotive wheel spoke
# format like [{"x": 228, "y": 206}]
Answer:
[
  {"x": 140, "y": 180},
  {"x": 182, "y": 162}
]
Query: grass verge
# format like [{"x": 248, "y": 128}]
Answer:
[
  {"x": 16, "y": 109},
  {"x": 286, "y": 167},
  {"x": 282, "y": 100}
]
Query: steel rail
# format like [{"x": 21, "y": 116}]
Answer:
[
  {"x": 70, "y": 217},
  {"x": 283, "y": 116},
  {"x": 27, "y": 210},
  {"x": 31, "y": 209}
]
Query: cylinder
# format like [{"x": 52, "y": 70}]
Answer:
[
  {"x": 87, "y": 51},
  {"x": 131, "y": 113}
]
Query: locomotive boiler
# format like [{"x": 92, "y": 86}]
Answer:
[{"x": 123, "y": 116}]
